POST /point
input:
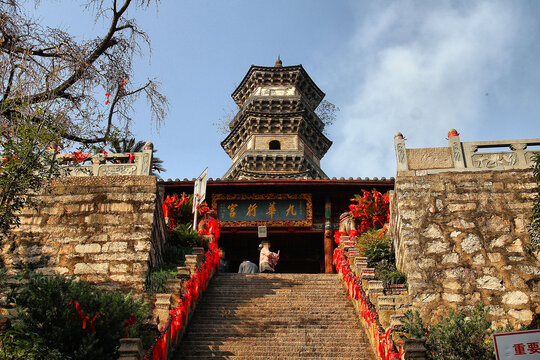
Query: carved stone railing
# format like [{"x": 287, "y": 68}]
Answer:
[
  {"x": 104, "y": 164},
  {"x": 465, "y": 156}
]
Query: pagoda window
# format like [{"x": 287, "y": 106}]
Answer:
[{"x": 274, "y": 145}]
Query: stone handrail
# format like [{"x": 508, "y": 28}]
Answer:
[
  {"x": 174, "y": 309},
  {"x": 464, "y": 156},
  {"x": 379, "y": 312},
  {"x": 104, "y": 164}
]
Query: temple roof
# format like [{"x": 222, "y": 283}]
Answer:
[{"x": 275, "y": 75}]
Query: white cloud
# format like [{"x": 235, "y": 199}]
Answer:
[{"x": 425, "y": 70}]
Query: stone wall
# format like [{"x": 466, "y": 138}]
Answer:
[
  {"x": 102, "y": 229},
  {"x": 460, "y": 237}
]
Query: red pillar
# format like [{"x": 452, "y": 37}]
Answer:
[{"x": 328, "y": 251}]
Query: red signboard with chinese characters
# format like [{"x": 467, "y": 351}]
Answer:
[{"x": 520, "y": 345}]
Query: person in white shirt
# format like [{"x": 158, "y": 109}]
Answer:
[{"x": 267, "y": 259}]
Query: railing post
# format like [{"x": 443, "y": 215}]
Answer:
[
  {"x": 97, "y": 159},
  {"x": 519, "y": 149},
  {"x": 144, "y": 162},
  {"x": 130, "y": 349},
  {"x": 163, "y": 306},
  {"x": 456, "y": 149},
  {"x": 401, "y": 152},
  {"x": 414, "y": 349}
]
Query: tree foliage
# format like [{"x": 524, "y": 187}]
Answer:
[
  {"x": 68, "y": 78},
  {"x": 26, "y": 161},
  {"x": 130, "y": 145},
  {"x": 58, "y": 89},
  {"x": 326, "y": 111}
]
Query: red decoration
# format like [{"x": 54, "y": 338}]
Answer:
[
  {"x": 386, "y": 349},
  {"x": 372, "y": 210},
  {"x": 107, "y": 94},
  {"x": 452, "y": 132},
  {"x": 85, "y": 319},
  {"x": 78, "y": 157},
  {"x": 123, "y": 82},
  {"x": 171, "y": 206},
  {"x": 196, "y": 283},
  {"x": 129, "y": 323}
]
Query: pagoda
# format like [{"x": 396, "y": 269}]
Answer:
[{"x": 276, "y": 133}]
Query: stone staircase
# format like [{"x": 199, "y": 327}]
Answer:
[{"x": 275, "y": 316}]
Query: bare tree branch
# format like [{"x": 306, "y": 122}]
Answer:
[{"x": 46, "y": 73}]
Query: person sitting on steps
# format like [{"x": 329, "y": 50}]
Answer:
[
  {"x": 247, "y": 267},
  {"x": 267, "y": 259}
]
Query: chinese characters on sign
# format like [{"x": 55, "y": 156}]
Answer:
[
  {"x": 262, "y": 210},
  {"x": 517, "y": 345},
  {"x": 272, "y": 210}
]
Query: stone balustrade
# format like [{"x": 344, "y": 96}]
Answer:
[
  {"x": 166, "y": 303},
  {"x": 104, "y": 164},
  {"x": 465, "y": 156},
  {"x": 390, "y": 304}
]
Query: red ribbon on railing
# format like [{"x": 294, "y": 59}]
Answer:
[
  {"x": 177, "y": 315},
  {"x": 386, "y": 349},
  {"x": 129, "y": 323}
]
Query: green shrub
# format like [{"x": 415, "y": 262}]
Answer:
[
  {"x": 44, "y": 309},
  {"x": 389, "y": 274},
  {"x": 157, "y": 280},
  {"x": 375, "y": 248},
  {"x": 413, "y": 326},
  {"x": 18, "y": 344},
  {"x": 378, "y": 250},
  {"x": 461, "y": 335},
  {"x": 184, "y": 237}
]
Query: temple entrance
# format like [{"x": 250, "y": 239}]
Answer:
[{"x": 299, "y": 252}]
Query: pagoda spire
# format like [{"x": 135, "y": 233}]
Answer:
[{"x": 278, "y": 62}]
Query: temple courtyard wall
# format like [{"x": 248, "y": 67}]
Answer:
[
  {"x": 102, "y": 229},
  {"x": 461, "y": 237}
]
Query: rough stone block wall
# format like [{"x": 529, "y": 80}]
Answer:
[
  {"x": 102, "y": 229},
  {"x": 460, "y": 238}
]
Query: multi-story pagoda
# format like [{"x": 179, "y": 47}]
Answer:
[{"x": 276, "y": 134}]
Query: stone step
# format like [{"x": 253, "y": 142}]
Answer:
[
  {"x": 278, "y": 353},
  {"x": 278, "y": 357},
  {"x": 275, "y": 316},
  {"x": 223, "y": 334}
]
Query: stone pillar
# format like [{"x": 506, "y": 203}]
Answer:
[
  {"x": 414, "y": 349},
  {"x": 192, "y": 263},
  {"x": 519, "y": 149},
  {"x": 97, "y": 160},
  {"x": 456, "y": 149},
  {"x": 130, "y": 349},
  {"x": 163, "y": 306},
  {"x": 144, "y": 162},
  {"x": 401, "y": 152}
]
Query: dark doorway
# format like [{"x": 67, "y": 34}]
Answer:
[{"x": 299, "y": 252}]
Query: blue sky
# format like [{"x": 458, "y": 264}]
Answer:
[{"x": 419, "y": 67}]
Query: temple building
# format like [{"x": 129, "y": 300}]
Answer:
[
  {"x": 276, "y": 134},
  {"x": 275, "y": 186}
]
